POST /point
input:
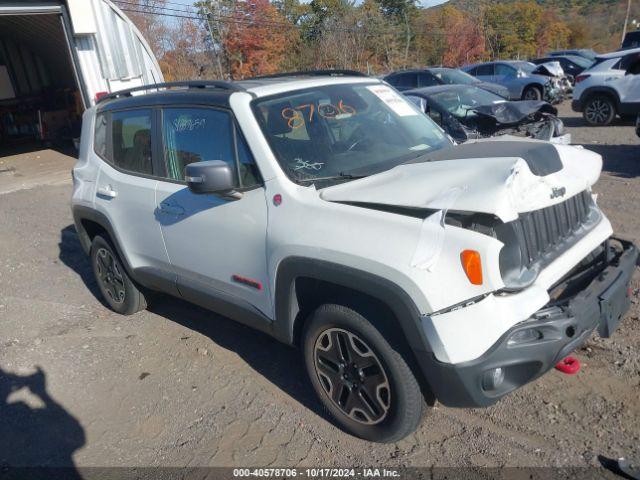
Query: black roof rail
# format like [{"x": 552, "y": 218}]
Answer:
[
  {"x": 313, "y": 73},
  {"x": 190, "y": 84}
]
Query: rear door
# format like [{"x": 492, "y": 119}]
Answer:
[
  {"x": 216, "y": 244},
  {"x": 125, "y": 192}
]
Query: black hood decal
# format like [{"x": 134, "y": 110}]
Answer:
[
  {"x": 508, "y": 113},
  {"x": 542, "y": 158}
]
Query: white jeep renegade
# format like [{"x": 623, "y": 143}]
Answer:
[{"x": 327, "y": 211}]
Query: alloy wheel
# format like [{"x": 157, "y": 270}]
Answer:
[
  {"x": 110, "y": 275},
  {"x": 598, "y": 111},
  {"x": 352, "y": 376},
  {"x": 531, "y": 94}
]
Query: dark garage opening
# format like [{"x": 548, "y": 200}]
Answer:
[{"x": 40, "y": 103}]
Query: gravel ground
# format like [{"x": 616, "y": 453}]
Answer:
[{"x": 180, "y": 386}]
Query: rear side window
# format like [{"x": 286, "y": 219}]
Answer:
[
  {"x": 100, "y": 136},
  {"x": 131, "y": 140},
  {"x": 427, "y": 80},
  {"x": 485, "y": 70},
  {"x": 405, "y": 80}
]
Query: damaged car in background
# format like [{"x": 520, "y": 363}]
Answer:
[
  {"x": 467, "y": 112},
  {"x": 520, "y": 77},
  {"x": 560, "y": 81}
]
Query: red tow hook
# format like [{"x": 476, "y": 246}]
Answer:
[{"x": 568, "y": 365}]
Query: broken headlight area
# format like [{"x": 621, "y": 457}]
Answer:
[
  {"x": 535, "y": 239},
  {"x": 531, "y": 121}
]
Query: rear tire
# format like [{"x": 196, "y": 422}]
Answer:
[
  {"x": 599, "y": 110},
  {"x": 532, "y": 93},
  {"x": 361, "y": 380},
  {"x": 117, "y": 288}
]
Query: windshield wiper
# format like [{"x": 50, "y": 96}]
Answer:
[{"x": 340, "y": 176}]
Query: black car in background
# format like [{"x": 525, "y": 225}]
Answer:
[
  {"x": 431, "y": 77},
  {"x": 631, "y": 40},
  {"x": 587, "y": 53},
  {"x": 466, "y": 112},
  {"x": 571, "y": 64}
]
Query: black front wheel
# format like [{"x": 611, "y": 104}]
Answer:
[
  {"x": 364, "y": 383},
  {"x": 117, "y": 288}
]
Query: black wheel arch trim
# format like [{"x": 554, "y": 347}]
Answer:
[
  {"x": 396, "y": 298},
  {"x": 591, "y": 91},
  {"x": 147, "y": 277}
]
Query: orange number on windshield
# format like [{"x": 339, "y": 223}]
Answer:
[{"x": 295, "y": 119}]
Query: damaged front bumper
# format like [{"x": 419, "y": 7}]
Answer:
[{"x": 534, "y": 346}]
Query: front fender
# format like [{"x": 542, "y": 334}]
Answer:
[{"x": 395, "y": 297}]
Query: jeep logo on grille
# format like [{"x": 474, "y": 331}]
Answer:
[{"x": 558, "y": 192}]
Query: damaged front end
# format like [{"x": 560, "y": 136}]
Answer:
[{"x": 531, "y": 119}]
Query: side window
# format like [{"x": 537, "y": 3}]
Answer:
[
  {"x": 485, "y": 70},
  {"x": 406, "y": 80},
  {"x": 131, "y": 140},
  {"x": 473, "y": 71},
  {"x": 249, "y": 174},
  {"x": 427, "y": 80},
  {"x": 100, "y": 135},
  {"x": 505, "y": 70},
  {"x": 195, "y": 135},
  {"x": 199, "y": 134}
]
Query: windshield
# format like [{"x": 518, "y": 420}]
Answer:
[
  {"x": 343, "y": 131},
  {"x": 453, "y": 77},
  {"x": 460, "y": 102}
]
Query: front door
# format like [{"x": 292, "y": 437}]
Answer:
[{"x": 216, "y": 245}]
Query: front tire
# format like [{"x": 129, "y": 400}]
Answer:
[
  {"x": 599, "y": 110},
  {"x": 364, "y": 383},
  {"x": 532, "y": 93},
  {"x": 117, "y": 288}
]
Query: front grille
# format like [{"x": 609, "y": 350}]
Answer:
[{"x": 548, "y": 230}]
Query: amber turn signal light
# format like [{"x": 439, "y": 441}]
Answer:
[{"x": 472, "y": 266}]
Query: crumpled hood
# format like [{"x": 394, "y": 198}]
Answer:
[
  {"x": 508, "y": 113},
  {"x": 550, "y": 68},
  {"x": 502, "y": 176}
]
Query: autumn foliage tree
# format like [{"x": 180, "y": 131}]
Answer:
[
  {"x": 258, "y": 39},
  {"x": 464, "y": 38}
]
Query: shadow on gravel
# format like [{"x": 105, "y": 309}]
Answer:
[
  {"x": 281, "y": 365},
  {"x": 73, "y": 256},
  {"x": 620, "y": 160},
  {"x": 37, "y": 435},
  {"x": 580, "y": 122}
]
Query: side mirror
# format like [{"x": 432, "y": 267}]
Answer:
[{"x": 213, "y": 176}]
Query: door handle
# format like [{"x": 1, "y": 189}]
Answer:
[
  {"x": 107, "y": 191},
  {"x": 171, "y": 209}
]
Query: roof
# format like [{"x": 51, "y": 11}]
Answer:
[
  {"x": 619, "y": 53},
  {"x": 217, "y": 93}
]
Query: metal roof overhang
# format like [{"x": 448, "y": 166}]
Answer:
[{"x": 30, "y": 8}]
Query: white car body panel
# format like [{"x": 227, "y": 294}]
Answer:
[
  {"x": 501, "y": 186},
  {"x": 315, "y": 224}
]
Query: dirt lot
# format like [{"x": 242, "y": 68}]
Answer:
[{"x": 179, "y": 386}]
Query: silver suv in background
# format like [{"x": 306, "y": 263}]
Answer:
[{"x": 325, "y": 210}]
